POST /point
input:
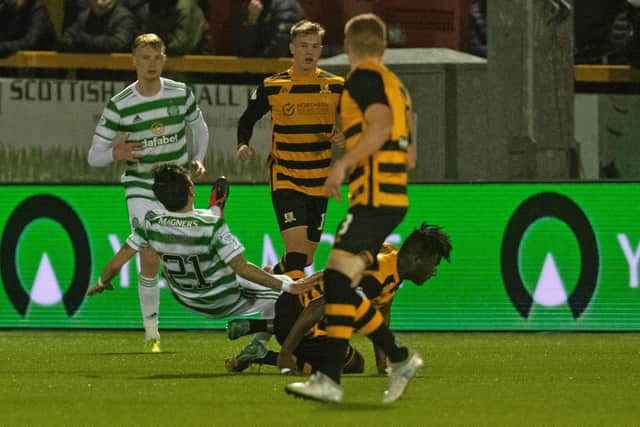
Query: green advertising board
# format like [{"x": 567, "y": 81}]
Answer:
[{"x": 535, "y": 256}]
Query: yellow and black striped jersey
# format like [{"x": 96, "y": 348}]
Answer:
[
  {"x": 379, "y": 283},
  {"x": 303, "y": 114},
  {"x": 381, "y": 280},
  {"x": 307, "y": 298},
  {"x": 380, "y": 179}
]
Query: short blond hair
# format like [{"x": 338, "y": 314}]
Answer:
[
  {"x": 149, "y": 39},
  {"x": 305, "y": 28},
  {"x": 366, "y": 34}
]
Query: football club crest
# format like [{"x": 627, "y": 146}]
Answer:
[
  {"x": 157, "y": 128},
  {"x": 173, "y": 110}
]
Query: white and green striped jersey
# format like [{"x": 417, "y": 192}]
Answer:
[
  {"x": 195, "y": 249},
  {"x": 158, "y": 122}
]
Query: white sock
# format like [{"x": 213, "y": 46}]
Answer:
[{"x": 149, "y": 294}]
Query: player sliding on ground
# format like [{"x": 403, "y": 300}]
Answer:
[
  {"x": 202, "y": 261},
  {"x": 298, "y": 323}
]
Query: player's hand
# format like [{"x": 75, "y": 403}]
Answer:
[
  {"x": 287, "y": 363},
  {"x": 338, "y": 139},
  {"x": 334, "y": 180},
  {"x": 312, "y": 280},
  {"x": 300, "y": 286},
  {"x": 245, "y": 152},
  {"x": 99, "y": 288},
  {"x": 198, "y": 168},
  {"x": 122, "y": 150}
]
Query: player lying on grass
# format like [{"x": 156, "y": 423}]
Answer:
[
  {"x": 298, "y": 322},
  {"x": 201, "y": 260}
]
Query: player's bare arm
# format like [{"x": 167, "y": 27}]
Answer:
[
  {"x": 253, "y": 273},
  {"x": 381, "y": 358},
  {"x": 111, "y": 270},
  {"x": 379, "y": 122},
  {"x": 309, "y": 317}
]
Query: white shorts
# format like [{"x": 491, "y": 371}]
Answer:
[
  {"x": 254, "y": 299},
  {"x": 138, "y": 208}
]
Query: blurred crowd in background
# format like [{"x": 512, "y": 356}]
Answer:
[{"x": 606, "y": 31}]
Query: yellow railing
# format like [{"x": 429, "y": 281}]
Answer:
[
  {"x": 606, "y": 73},
  {"x": 234, "y": 64},
  {"x": 122, "y": 61}
]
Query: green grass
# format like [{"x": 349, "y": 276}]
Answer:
[
  {"x": 59, "y": 164},
  {"x": 101, "y": 378}
]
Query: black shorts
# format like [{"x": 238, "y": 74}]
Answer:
[
  {"x": 365, "y": 229},
  {"x": 295, "y": 209}
]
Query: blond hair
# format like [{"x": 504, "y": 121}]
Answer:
[
  {"x": 305, "y": 28},
  {"x": 366, "y": 35},
  {"x": 149, "y": 39}
]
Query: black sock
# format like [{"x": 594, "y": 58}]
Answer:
[
  {"x": 259, "y": 325},
  {"x": 384, "y": 339},
  {"x": 271, "y": 358},
  {"x": 334, "y": 358}
]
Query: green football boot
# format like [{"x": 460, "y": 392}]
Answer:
[{"x": 250, "y": 354}]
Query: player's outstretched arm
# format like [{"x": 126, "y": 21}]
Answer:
[
  {"x": 111, "y": 270},
  {"x": 381, "y": 357},
  {"x": 255, "y": 274},
  {"x": 309, "y": 317}
]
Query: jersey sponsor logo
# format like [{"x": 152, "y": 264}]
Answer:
[
  {"x": 157, "y": 141},
  {"x": 288, "y": 109},
  {"x": 137, "y": 118},
  {"x": 549, "y": 290},
  {"x": 312, "y": 108},
  {"x": 177, "y": 222},
  {"x": 157, "y": 128}
]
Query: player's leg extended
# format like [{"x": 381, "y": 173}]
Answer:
[
  {"x": 340, "y": 310},
  {"x": 256, "y": 299},
  {"x": 369, "y": 322},
  {"x": 148, "y": 291},
  {"x": 149, "y": 295}
]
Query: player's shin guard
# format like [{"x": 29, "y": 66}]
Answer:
[
  {"x": 369, "y": 322},
  {"x": 292, "y": 264},
  {"x": 339, "y": 313},
  {"x": 149, "y": 294}
]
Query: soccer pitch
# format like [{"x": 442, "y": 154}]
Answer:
[{"x": 102, "y": 378}]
